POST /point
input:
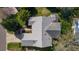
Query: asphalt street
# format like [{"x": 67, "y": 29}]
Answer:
[{"x": 2, "y": 39}]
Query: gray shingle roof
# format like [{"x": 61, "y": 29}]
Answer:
[
  {"x": 54, "y": 26},
  {"x": 40, "y": 33}
]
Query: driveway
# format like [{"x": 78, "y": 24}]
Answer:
[{"x": 2, "y": 39}]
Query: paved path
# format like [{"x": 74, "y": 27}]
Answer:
[{"x": 2, "y": 39}]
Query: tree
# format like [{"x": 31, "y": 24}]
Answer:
[
  {"x": 22, "y": 16},
  {"x": 66, "y": 13},
  {"x": 11, "y": 24},
  {"x": 66, "y": 19},
  {"x": 65, "y": 27},
  {"x": 17, "y": 21},
  {"x": 76, "y": 11},
  {"x": 54, "y": 9}
]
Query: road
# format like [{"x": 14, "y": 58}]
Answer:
[{"x": 2, "y": 39}]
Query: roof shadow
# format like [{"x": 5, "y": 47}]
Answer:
[{"x": 19, "y": 35}]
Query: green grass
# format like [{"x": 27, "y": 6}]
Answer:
[
  {"x": 41, "y": 11},
  {"x": 14, "y": 46},
  {"x": 17, "y": 47}
]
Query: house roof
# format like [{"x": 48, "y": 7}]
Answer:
[
  {"x": 54, "y": 26},
  {"x": 29, "y": 36},
  {"x": 51, "y": 18},
  {"x": 39, "y": 28},
  {"x": 33, "y": 19}
]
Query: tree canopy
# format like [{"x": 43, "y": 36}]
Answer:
[
  {"x": 22, "y": 16},
  {"x": 17, "y": 21}
]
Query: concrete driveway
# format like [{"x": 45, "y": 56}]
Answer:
[{"x": 2, "y": 39}]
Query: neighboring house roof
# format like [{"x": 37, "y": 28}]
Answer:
[
  {"x": 10, "y": 10},
  {"x": 76, "y": 28},
  {"x": 4, "y": 12},
  {"x": 76, "y": 25},
  {"x": 39, "y": 31}
]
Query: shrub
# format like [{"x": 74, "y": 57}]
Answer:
[{"x": 65, "y": 27}]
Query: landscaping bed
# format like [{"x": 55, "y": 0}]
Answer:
[{"x": 14, "y": 46}]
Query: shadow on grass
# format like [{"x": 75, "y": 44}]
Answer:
[
  {"x": 33, "y": 11},
  {"x": 53, "y": 9},
  {"x": 37, "y": 48}
]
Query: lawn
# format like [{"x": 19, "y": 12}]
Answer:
[
  {"x": 14, "y": 46},
  {"x": 41, "y": 11}
]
